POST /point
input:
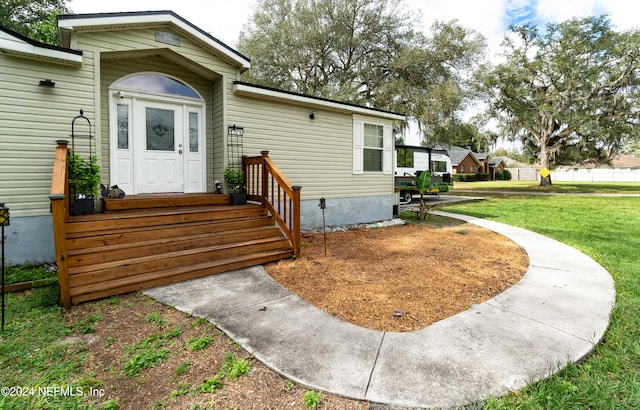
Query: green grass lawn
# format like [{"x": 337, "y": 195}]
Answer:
[
  {"x": 608, "y": 230},
  {"x": 559, "y": 186}
]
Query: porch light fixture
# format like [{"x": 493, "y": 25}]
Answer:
[
  {"x": 47, "y": 83},
  {"x": 4, "y": 221},
  {"x": 312, "y": 115}
]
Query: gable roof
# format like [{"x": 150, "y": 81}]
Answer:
[
  {"x": 18, "y": 45},
  {"x": 458, "y": 154},
  {"x": 495, "y": 161},
  {"x": 67, "y": 24},
  {"x": 253, "y": 90}
]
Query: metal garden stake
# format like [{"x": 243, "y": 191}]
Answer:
[
  {"x": 323, "y": 206},
  {"x": 4, "y": 221}
]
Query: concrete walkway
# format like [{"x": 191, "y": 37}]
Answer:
[{"x": 556, "y": 314}]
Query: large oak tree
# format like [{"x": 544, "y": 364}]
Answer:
[
  {"x": 569, "y": 93},
  {"x": 366, "y": 52}
]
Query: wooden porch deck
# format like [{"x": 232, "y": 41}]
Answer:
[{"x": 149, "y": 240}]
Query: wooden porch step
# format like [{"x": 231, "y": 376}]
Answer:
[
  {"x": 157, "y": 278},
  {"x": 107, "y": 237},
  {"x": 160, "y": 216},
  {"x": 138, "y": 247},
  {"x": 147, "y": 263},
  {"x": 143, "y": 242},
  {"x": 149, "y": 201}
]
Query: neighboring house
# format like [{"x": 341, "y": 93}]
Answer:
[
  {"x": 132, "y": 71},
  {"x": 412, "y": 159},
  {"x": 464, "y": 161}
]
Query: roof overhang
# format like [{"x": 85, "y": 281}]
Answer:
[
  {"x": 267, "y": 93},
  {"x": 15, "y": 44},
  {"x": 68, "y": 24}
]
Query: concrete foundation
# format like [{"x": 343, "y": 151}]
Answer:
[{"x": 29, "y": 239}]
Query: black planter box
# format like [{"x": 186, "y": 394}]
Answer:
[
  {"x": 238, "y": 198},
  {"x": 83, "y": 207}
]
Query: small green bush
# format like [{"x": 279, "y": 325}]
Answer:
[
  {"x": 464, "y": 177},
  {"x": 503, "y": 175},
  {"x": 482, "y": 177}
]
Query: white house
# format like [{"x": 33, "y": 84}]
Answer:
[{"x": 131, "y": 72}]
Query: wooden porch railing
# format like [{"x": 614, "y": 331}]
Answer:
[
  {"x": 59, "y": 198},
  {"x": 268, "y": 185}
]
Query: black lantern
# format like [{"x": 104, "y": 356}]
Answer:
[
  {"x": 4, "y": 221},
  {"x": 4, "y": 215}
]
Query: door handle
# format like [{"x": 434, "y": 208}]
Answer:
[{"x": 180, "y": 151}]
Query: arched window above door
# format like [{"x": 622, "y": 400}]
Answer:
[{"x": 157, "y": 83}]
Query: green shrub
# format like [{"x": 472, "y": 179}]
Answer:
[
  {"x": 507, "y": 175},
  {"x": 464, "y": 177},
  {"x": 482, "y": 177}
]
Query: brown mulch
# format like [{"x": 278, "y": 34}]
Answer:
[{"x": 402, "y": 278}]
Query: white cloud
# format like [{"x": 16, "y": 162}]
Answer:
[
  {"x": 555, "y": 11},
  {"x": 623, "y": 13}
]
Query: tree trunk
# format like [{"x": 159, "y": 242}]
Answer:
[
  {"x": 422, "y": 213},
  {"x": 545, "y": 162}
]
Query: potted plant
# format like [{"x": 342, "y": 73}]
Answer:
[
  {"x": 84, "y": 182},
  {"x": 235, "y": 182}
]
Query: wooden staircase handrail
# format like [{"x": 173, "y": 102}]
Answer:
[
  {"x": 268, "y": 185},
  {"x": 60, "y": 213}
]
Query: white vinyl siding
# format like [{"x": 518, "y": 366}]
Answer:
[
  {"x": 315, "y": 154},
  {"x": 32, "y": 118}
]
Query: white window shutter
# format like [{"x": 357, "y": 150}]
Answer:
[
  {"x": 387, "y": 155},
  {"x": 358, "y": 147}
]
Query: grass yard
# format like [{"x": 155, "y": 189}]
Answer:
[
  {"x": 557, "y": 186},
  {"x": 608, "y": 230}
]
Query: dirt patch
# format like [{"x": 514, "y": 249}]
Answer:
[
  {"x": 405, "y": 277},
  {"x": 129, "y": 326}
]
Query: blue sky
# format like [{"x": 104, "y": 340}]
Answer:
[{"x": 521, "y": 12}]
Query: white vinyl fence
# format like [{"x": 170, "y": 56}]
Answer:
[
  {"x": 597, "y": 175},
  {"x": 523, "y": 174}
]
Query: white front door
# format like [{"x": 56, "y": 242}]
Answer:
[
  {"x": 159, "y": 161},
  {"x": 157, "y": 146}
]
